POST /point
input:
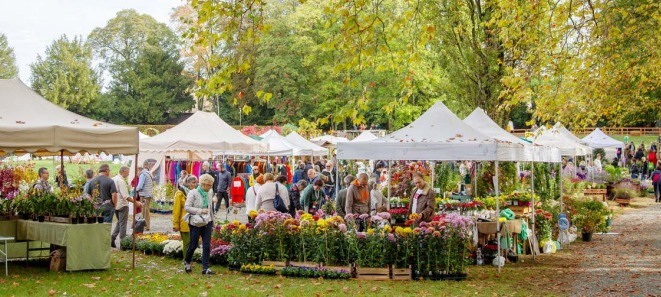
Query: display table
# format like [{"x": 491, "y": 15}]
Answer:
[
  {"x": 5, "y": 240},
  {"x": 22, "y": 249},
  {"x": 88, "y": 245}
]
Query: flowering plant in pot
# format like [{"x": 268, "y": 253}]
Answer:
[{"x": 590, "y": 216}]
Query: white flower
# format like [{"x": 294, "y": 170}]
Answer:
[{"x": 172, "y": 247}]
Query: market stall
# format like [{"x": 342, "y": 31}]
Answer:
[
  {"x": 599, "y": 139},
  {"x": 364, "y": 136},
  {"x": 307, "y": 147},
  {"x": 53, "y": 131}
]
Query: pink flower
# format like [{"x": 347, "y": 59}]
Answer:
[
  {"x": 363, "y": 216},
  {"x": 342, "y": 228},
  {"x": 361, "y": 235},
  {"x": 385, "y": 215},
  {"x": 391, "y": 237}
]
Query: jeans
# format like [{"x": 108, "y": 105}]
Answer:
[
  {"x": 222, "y": 196},
  {"x": 107, "y": 210},
  {"x": 195, "y": 233}
]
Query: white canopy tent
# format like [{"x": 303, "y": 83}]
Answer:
[
  {"x": 566, "y": 132},
  {"x": 364, "y": 136},
  {"x": 524, "y": 151},
  {"x": 438, "y": 134},
  {"x": 330, "y": 138},
  {"x": 31, "y": 124},
  {"x": 599, "y": 139},
  {"x": 307, "y": 148},
  {"x": 197, "y": 138},
  {"x": 142, "y": 135},
  {"x": 278, "y": 145},
  {"x": 555, "y": 138}
]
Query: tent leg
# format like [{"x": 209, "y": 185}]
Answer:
[
  {"x": 135, "y": 196},
  {"x": 532, "y": 187},
  {"x": 61, "y": 168},
  {"x": 475, "y": 178},
  {"x": 495, "y": 181},
  {"x": 388, "y": 184},
  {"x": 432, "y": 164},
  {"x": 561, "y": 203}
]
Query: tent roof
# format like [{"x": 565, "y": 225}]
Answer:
[
  {"x": 330, "y": 138},
  {"x": 599, "y": 139},
  {"x": 566, "y": 132},
  {"x": 438, "y": 134},
  {"x": 202, "y": 132},
  {"x": 30, "y": 123},
  {"x": 307, "y": 147},
  {"x": 365, "y": 136},
  {"x": 278, "y": 145},
  {"x": 523, "y": 151},
  {"x": 555, "y": 138}
]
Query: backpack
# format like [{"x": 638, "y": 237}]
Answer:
[
  {"x": 278, "y": 203},
  {"x": 655, "y": 176}
]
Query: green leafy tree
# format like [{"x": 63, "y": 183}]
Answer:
[
  {"x": 148, "y": 82},
  {"x": 8, "y": 67},
  {"x": 153, "y": 91},
  {"x": 65, "y": 75}
]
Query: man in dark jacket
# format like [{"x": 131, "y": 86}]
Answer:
[
  {"x": 342, "y": 196},
  {"x": 295, "y": 196},
  {"x": 223, "y": 181}
]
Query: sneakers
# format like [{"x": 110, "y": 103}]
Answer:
[
  {"x": 208, "y": 272},
  {"x": 187, "y": 268}
]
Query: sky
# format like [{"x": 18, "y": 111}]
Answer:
[{"x": 32, "y": 25}]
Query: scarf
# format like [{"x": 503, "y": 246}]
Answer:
[
  {"x": 205, "y": 200},
  {"x": 364, "y": 194}
]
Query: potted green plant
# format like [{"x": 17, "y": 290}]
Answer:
[{"x": 590, "y": 216}]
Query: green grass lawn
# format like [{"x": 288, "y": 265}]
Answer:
[
  {"x": 73, "y": 170},
  {"x": 162, "y": 276}
]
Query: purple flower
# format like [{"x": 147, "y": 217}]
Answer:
[
  {"x": 391, "y": 237},
  {"x": 385, "y": 215},
  {"x": 376, "y": 218},
  {"x": 363, "y": 216},
  {"x": 361, "y": 235}
]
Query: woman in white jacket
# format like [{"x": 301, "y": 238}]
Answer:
[
  {"x": 266, "y": 194},
  {"x": 251, "y": 194},
  {"x": 199, "y": 202}
]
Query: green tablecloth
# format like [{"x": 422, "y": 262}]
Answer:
[
  {"x": 88, "y": 245},
  {"x": 18, "y": 250}
]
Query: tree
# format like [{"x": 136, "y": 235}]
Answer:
[
  {"x": 149, "y": 84},
  {"x": 65, "y": 75},
  {"x": 8, "y": 67}
]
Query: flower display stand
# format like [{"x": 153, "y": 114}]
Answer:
[
  {"x": 277, "y": 265},
  {"x": 372, "y": 273},
  {"x": 600, "y": 194},
  {"x": 520, "y": 210},
  {"x": 401, "y": 274}
]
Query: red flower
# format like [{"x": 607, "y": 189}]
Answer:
[{"x": 408, "y": 223}]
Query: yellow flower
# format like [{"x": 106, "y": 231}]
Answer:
[
  {"x": 407, "y": 230},
  {"x": 242, "y": 227},
  {"x": 370, "y": 231},
  {"x": 414, "y": 216},
  {"x": 236, "y": 223},
  {"x": 307, "y": 217},
  {"x": 253, "y": 214},
  {"x": 322, "y": 223},
  {"x": 387, "y": 229},
  {"x": 502, "y": 220},
  {"x": 399, "y": 230}
]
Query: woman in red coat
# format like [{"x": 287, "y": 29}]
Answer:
[{"x": 652, "y": 157}]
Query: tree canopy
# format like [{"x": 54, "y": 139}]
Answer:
[
  {"x": 65, "y": 75},
  {"x": 8, "y": 67}
]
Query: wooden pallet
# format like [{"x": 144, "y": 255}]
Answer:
[
  {"x": 372, "y": 273},
  {"x": 277, "y": 265},
  {"x": 622, "y": 202},
  {"x": 401, "y": 274},
  {"x": 338, "y": 268}
]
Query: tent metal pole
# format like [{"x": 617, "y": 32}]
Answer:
[
  {"x": 561, "y": 203},
  {"x": 496, "y": 184},
  {"x": 388, "y": 183},
  {"x": 432, "y": 164},
  {"x": 62, "y": 169},
  {"x": 475, "y": 178},
  {"x": 532, "y": 187},
  {"x": 135, "y": 196}
]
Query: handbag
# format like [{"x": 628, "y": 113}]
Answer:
[
  {"x": 278, "y": 203},
  {"x": 198, "y": 220}
]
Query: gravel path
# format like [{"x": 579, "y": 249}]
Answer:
[{"x": 624, "y": 264}]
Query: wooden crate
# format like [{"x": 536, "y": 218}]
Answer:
[
  {"x": 304, "y": 264},
  {"x": 623, "y": 202},
  {"x": 337, "y": 268},
  {"x": 401, "y": 274},
  {"x": 599, "y": 193},
  {"x": 372, "y": 273},
  {"x": 520, "y": 210},
  {"x": 277, "y": 265},
  {"x": 66, "y": 220}
]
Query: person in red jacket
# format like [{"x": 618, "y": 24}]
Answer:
[{"x": 652, "y": 157}]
